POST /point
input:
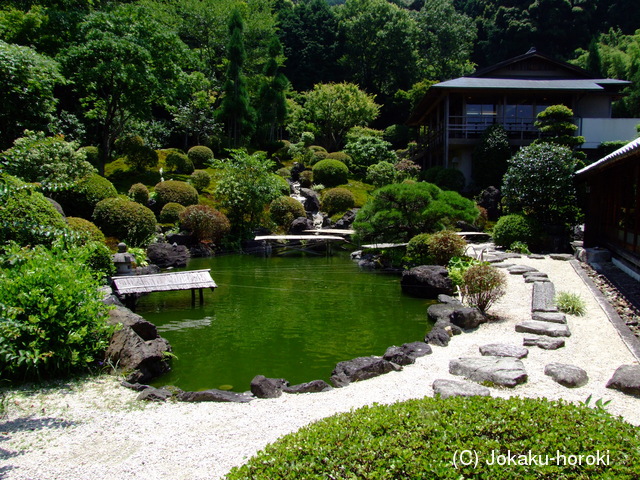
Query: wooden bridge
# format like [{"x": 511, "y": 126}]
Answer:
[{"x": 130, "y": 287}]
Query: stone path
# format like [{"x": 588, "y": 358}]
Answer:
[{"x": 547, "y": 329}]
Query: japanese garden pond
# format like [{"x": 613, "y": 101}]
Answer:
[{"x": 283, "y": 317}]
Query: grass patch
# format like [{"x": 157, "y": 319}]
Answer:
[
  {"x": 421, "y": 439},
  {"x": 570, "y": 303},
  {"x": 361, "y": 191}
]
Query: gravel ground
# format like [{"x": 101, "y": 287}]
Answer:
[{"x": 95, "y": 429}]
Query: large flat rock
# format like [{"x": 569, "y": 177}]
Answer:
[
  {"x": 543, "y": 328},
  {"x": 553, "y": 317},
  {"x": 505, "y": 371},
  {"x": 542, "y": 341},
  {"x": 542, "y": 298},
  {"x": 503, "y": 350},
  {"x": 626, "y": 379},
  {"x": 521, "y": 269},
  {"x": 568, "y": 376},
  {"x": 455, "y": 388}
]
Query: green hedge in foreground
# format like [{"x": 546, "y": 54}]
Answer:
[{"x": 422, "y": 439}]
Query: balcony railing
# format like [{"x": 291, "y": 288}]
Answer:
[{"x": 472, "y": 127}]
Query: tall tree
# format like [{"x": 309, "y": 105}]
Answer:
[
  {"x": 309, "y": 34},
  {"x": 27, "y": 82},
  {"x": 272, "y": 100},
  {"x": 379, "y": 45},
  {"x": 124, "y": 65},
  {"x": 235, "y": 110}
]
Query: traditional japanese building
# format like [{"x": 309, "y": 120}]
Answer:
[{"x": 453, "y": 115}]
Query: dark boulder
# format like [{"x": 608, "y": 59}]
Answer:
[
  {"x": 153, "y": 394},
  {"x": 309, "y": 387},
  {"x": 361, "y": 368},
  {"x": 214, "y": 395},
  {"x": 407, "y": 353},
  {"x": 426, "y": 281},
  {"x": 166, "y": 255},
  {"x": 438, "y": 336},
  {"x": 347, "y": 219},
  {"x": 263, "y": 387},
  {"x": 568, "y": 376},
  {"x": 136, "y": 348},
  {"x": 312, "y": 200},
  {"x": 180, "y": 239},
  {"x": 299, "y": 225},
  {"x": 626, "y": 379},
  {"x": 457, "y": 314}
]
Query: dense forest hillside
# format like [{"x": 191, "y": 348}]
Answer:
[{"x": 232, "y": 73}]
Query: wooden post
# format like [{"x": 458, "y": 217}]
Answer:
[
  {"x": 201, "y": 298},
  {"x": 193, "y": 297}
]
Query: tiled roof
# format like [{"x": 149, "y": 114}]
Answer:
[
  {"x": 620, "y": 154},
  {"x": 531, "y": 84}
]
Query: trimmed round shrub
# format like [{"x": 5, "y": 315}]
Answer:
[
  {"x": 317, "y": 148},
  {"x": 284, "y": 210},
  {"x": 179, "y": 163},
  {"x": 138, "y": 156},
  {"x": 200, "y": 180},
  {"x": 283, "y": 184},
  {"x": 381, "y": 174},
  {"x": 177, "y": 192},
  {"x": 170, "y": 213},
  {"x": 483, "y": 285},
  {"x": 86, "y": 230},
  {"x": 330, "y": 173},
  {"x": 340, "y": 156},
  {"x": 139, "y": 193},
  {"x": 205, "y": 223},
  {"x": 418, "y": 250},
  {"x": 92, "y": 154},
  {"x": 128, "y": 221},
  {"x": 200, "y": 156},
  {"x": 337, "y": 200},
  {"x": 81, "y": 199},
  {"x": 516, "y": 228},
  {"x": 306, "y": 178},
  {"x": 421, "y": 439},
  {"x": 445, "y": 245},
  {"x": 446, "y": 178},
  {"x": 284, "y": 172},
  {"x": 26, "y": 216}
]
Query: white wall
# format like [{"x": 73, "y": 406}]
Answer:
[{"x": 598, "y": 130}]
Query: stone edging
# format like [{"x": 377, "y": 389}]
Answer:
[{"x": 627, "y": 336}]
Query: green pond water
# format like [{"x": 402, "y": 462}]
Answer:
[{"x": 283, "y": 317}]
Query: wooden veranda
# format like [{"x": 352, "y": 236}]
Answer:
[{"x": 130, "y": 287}]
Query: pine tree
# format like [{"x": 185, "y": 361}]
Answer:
[
  {"x": 235, "y": 110},
  {"x": 273, "y": 104}
]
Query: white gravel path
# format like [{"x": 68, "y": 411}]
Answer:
[{"x": 96, "y": 430}]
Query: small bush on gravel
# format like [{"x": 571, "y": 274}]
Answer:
[
  {"x": 483, "y": 285},
  {"x": 170, "y": 213},
  {"x": 425, "y": 438},
  {"x": 337, "y": 200},
  {"x": 176, "y": 192},
  {"x": 284, "y": 210},
  {"x": 458, "y": 265},
  {"x": 330, "y": 173},
  {"x": 445, "y": 245},
  {"x": 205, "y": 223}
]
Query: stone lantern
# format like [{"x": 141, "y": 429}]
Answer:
[{"x": 123, "y": 261}]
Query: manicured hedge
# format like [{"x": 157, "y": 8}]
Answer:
[
  {"x": 284, "y": 210},
  {"x": 176, "y": 192},
  {"x": 125, "y": 220},
  {"x": 81, "y": 198},
  {"x": 424, "y": 439},
  {"x": 330, "y": 173}
]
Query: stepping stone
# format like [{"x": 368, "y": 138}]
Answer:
[
  {"x": 568, "y": 376},
  {"x": 543, "y": 328},
  {"x": 553, "y": 317},
  {"x": 521, "y": 269},
  {"x": 536, "y": 256},
  {"x": 542, "y": 298},
  {"x": 504, "y": 371},
  {"x": 504, "y": 265},
  {"x": 454, "y": 388},
  {"x": 626, "y": 379},
  {"x": 503, "y": 350},
  {"x": 535, "y": 274},
  {"x": 561, "y": 256},
  {"x": 532, "y": 279},
  {"x": 544, "y": 342}
]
